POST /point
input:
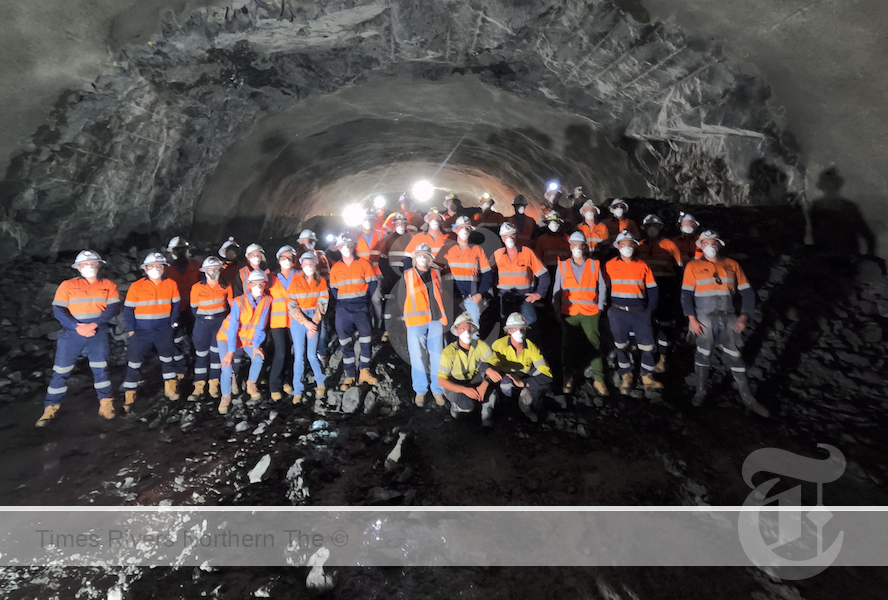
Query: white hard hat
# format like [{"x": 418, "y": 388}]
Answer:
[
  {"x": 341, "y": 241},
  {"x": 553, "y": 216},
  {"x": 578, "y": 191},
  {"x": 85, "y": 256},
  {"x": 405, "y": 197},
  {"x": 227, "y": 245},
  {"x": 433, "y": 214},
  {"x": 211, "y": 262},
  {"x": 154, "y": 257},
  {"x": 177, "y": 242},
  {"x": 399, "y": 217},
  {"x": 308, "y": 234},
  {"x": 625, "y": 235},
  {"x": 577, "y": 238},
  {"x": 463, "y": 221},
  {"x": 683, "y": 216},
  {"x": 506, "y": 229},
  {"x": 283, "y": 249},
  {"x": 516, "y": 320},
  {"x": 618, "y": 201},
  {"x": 422, "y": 249},
  {"x": 652, "y": 220},
  {"x": 709, "y": 234},
  {"x": 256, "y": 275},
  {"x": 464, "y": 318},
  {"x": 310, "y": 256},
  {"x": 589, "y": 205},
  {"x": 253, "y": 248}
]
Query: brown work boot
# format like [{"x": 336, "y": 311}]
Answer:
[
  {"x": 288, "y": 389},
  {"x": 661, "y": 364},
  {"x": 49, "y": 413},
  {"x": 320, "y": 391},
  {"x": 650, "y": 383},
  {"x": 180, "y": 376},
  {"x": 275, "y": 396},
  {"x": 198, "y": 391},
  {"x": 347, "y": 383},
  {"x": 627, "y": 384},
  {"x": 235, "y": 390},
  {"x": 215, "y": 392},
  {"x": 419, "y": 400},
  {"x": 169, "y": 389},
  {"x": 223, "y": 405},
  {"x": 385, "y": 336},
  {"x": 568, "y": 385},
  {"x": 297, "y": 398},
  {"x": 601, "y": 388},
  {"x": 439, "y": 399},
  {"x": 253, "y": 391},
  {"x": 106, "y": 408},
  {"x": 129, "y": 400},
  {"x": 366, "y": 377}
]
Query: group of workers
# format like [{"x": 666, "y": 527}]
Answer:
[{"x": 575, "y": 263}]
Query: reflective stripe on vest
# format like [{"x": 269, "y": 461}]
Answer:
[
  {"x": 579, "y": 297},
  {"x": 248, "y": 322},
  {"x": 417, "y": 310},
  {"x": 307, "y": 293}
]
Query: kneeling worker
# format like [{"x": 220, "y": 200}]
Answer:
[{"x": 523, "y": 365}]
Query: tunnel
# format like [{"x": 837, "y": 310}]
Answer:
[{"x": 127, "y": 124}]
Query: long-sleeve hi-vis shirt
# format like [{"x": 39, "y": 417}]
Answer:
[
  {"x": 516, "y": 273},
  {"x": 462, "y": 365},
  {"x": 662, "y": 256},
  {"x": 210, "y": 300},
  {"x": 79, "y": 301},
  {"x": 151, "y": 305},
  {"x": 354, "y": 284},
  {"x": 632, "y": 284},
  {"x": 701, "y": 292},
  {"x": 469, "y": 269},
  {"x": 552, "y": 247},
  {"x": 530, "y": 362},
  {"x": 435, "y": 242},
  {"x": 595, "y": 234},
  {"x": 369, "y": 247},
  {"x": 615, "y": 226}
]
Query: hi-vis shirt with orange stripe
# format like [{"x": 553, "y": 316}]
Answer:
[
  {"x": 579, "y": 297},
  {"x": 468, "y": 265},
  {"x": 351, "y": 281},
  {"x": 435, "y": 243},
  {"x": 631, "y": 282},
  {"x": 370, "y": 251},
  {"x": 517, "y": 273},
  {"x": 245, "y": 324},
  {"x": 86, "y": 301},
  {"x": 152, "y": 302},
  {"x": 596, "y": 234},
  {"x": 709, "y": 295},
  {"x": 207, "y": 300},
  {"x": 307, "y": 292},
  {"x": 663, "y": 257},
  {"x": 417, "y": 307},
  {"x": 280, "y": 295},
  {"x": 552, "y": 247}
]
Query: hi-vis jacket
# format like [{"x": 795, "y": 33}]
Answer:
[
  {"x": 585, "y": 295},
  {"x": 244, "y": 327},
  {"x": 306, "y": 293},
  {"x": 369, "y": 246},
  {"x": 352, "y": 284},
  {"x": 701, "y": 292},
  {"x": 462, "y": 365},
  {"x": 615, "y": 226},
  {"x": 596, "y": 234},
  {"x": 209, "y": 301},
  {"x": 631, "y": 283},
  {"x": 79, "y": 301},
  {"x": 516, "y": 274},
  {"x": 529, "y": 363},
  {"x": 469, "y": 269},
  {"x": 150, "y": 305},
  {"x": 434, "y": 242},
  {"x": 417, "y": 304},
  {"x": 663, "y": 257}
]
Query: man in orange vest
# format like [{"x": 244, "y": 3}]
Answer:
[
  {"x": 151, "y": 314},
  {"x": 470, "y": 270},
  {"x": 185, "y": 271},
  {"x": 524, "y": 226},
  {"x": 210, "y": 302},
  {"x": 687, "y": 241},
  {"x": 242, "y": 333},
  {"x": 369, "y": 247},
  {"x": 595, "y": 231},
  {"x": 664, "y": 259},
  {"x": 634, "y": 296},
  {"x": 435, "y": 238},
  {"x": 352, "y": 283},
  {"x": 425, "y": 320},
  {"x": 516, "y": 268},
  {"x": 488, "y": 217},
  {"x": 618, "y": 222},
  {"x": 83, "y": 305},
  {"x": 707, "y": 298},
  {"x": 579, "y": 296}
]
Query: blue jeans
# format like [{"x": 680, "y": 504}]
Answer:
[
  {"x": 227, "y": 372},
  {"x": 473, "y": 309},
  {"x": 70, "y": 345},
  {"x": 425, "y": 344},
  {"x": 508, "y": 305},
  {"x": 305, "y": 347}
]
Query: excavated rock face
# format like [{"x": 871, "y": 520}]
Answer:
[{"x": 529, "y": 91}]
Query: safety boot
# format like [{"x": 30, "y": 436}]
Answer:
[
  {"x": 366, "y": 377},
  {"x": 524, "y": 401},
  {"x": 288, "y": 389},
  {"x": 650, "y": 383},
  {"x": 215, "y": 392},
  {"x": 275, "y": 396},
  {"x": 180, "y": 376},
  {"x": 627, "y": 383},
  {"x": 169, "y": 389},
  {"x": 235, "y": 390},
  {"x": 347, "y": 383},
  {"x": 661, "y": 364},
  {"x": 385, "y": 337},
  {"x": 106, "y": 408},
  {"x": 746, "y": 395},
  {"x": 419, "y": 400},
  {"x": 601, "y": 388},
  {"x": 253, "y": 391},
  {"x": 297, "y": 398},
  {"x": 701, "y": 373},
  {"x": 223, "y": 404},
  {"x": 320, "y": 392},
  {"x": 198, "y": 391},
  {"x": 49, "y": 413},
  {"x": 129, "y": 400},
  {"x": 568, "y": 385},
  {"x": 439, "y": 399}
]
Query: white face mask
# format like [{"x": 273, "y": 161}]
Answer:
[
  {"x": 309, "y": 270},
  {"x": 345, "y": 251},
  {"x": 710, "y": 251},
  {"x": 255, "y": 260},
  {"x": 89, "y": 272},
  {"x": 518, "y": 336},
  {"x": 577, "y": 252},
  {"x": 590, "y": 215},
  {"x": 520, "y": 210},
  {"x": 618, "y": 213},
  {"x": 434, "y": 225},
  {"x": 309, "y": 245},
  {"x": 256, "y": 291},
  {"x": 687, "y": 229},
  {"x": 366, "y": 224},
  {"x": 653, "y": 231},
  {"x": 510, "y": 242},
  {"x": 466, "y": 337},
  {"x": 464, "y": 234},
  {"x": 401, "y": 230},
  {"x": 212, "y": 275},
  {"x": 553, "y": 226},
  {"x": 486, "y": 206},
  {"x": 154, "y": 273},
  {"x": 627, "y": 251},
  {"x": 422, "y": 260},
  {"x": 285, "y": 263}
]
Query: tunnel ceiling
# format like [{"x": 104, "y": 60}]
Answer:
[{"x": 276, "y": 110}]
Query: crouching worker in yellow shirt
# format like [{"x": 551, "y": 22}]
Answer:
[{"x": 523, "y": 365}]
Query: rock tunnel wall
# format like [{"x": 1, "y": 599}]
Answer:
[{"x": 134, "y": 155}]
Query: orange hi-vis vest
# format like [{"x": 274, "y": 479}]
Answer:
[
  {"x": 517, "y": 274},
  {"x": 307, "y": 292},
  {"x": 524, "y": 237},
  {"x": 150, "y": 301},
  {"x": 370, "y": 252},
  {"x": 663, "y": 257},
  {"x": 185, "y": 280},
  {"x": 85, "y": 300},
  {"x": 426, "y": 238},
  {"x": 210, "y": 300},
  {"x": 417, "y": 309},
  {"x": 468, "y": 265},
  {"x": 596, "y": 234},
  {"x": 579, "y": 297},
  {"x": 279, "y": 298},
  {"x": 250, "y": 320},
  {"x": 550, "y": 248},
  {"x": 351, "y": 281},
  {"x": 245, "y": 272},
  {"x": 615, "y": 226},
  {"x": 629, "y": 280}
]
